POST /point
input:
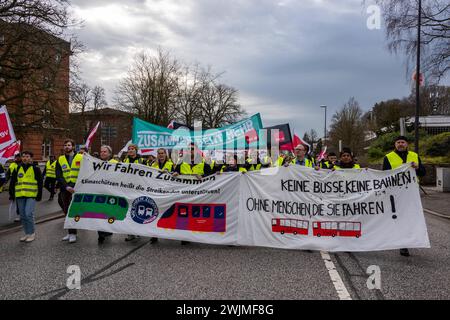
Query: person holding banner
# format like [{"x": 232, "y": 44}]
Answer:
[
  {"x": 162, "y": 161},
  {"x": 50, "y": 176},
  {"x": 330, "y": 162},
  {"x": 301, "y": 159},
  {"x": 26, "y": 189},
  {"x": 105, "y": 155},
  {"x": 346, "y": 160},
  {"x": 133, "y": 156},
  {"x": 192, "y": 163},
  {"x": 67, "y": 170},
  {"x": 232, "y": 165},
  {"x": 398, "y": 157},
  {"x": 196, "y": 166}
]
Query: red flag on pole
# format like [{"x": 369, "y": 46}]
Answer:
[
  {"x": 322, "y": 154},
  {"x": 9, "y": 152},
  {"x": 7, "y": 136},
  {"x": 91, "y": 135}
]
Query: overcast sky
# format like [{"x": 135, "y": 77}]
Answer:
[{"x": 286, "y": 57}]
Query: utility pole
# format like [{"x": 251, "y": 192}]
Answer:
[{"x": 416, "y": 123}]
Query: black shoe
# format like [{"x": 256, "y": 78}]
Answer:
[
  {"x": 404, "y": 252},
  {"x": 130, "y": 237},
  {"x": 153, "y": 240},
  {"x": 183, "y": 243},
  {"x": 101, "y": 239}
]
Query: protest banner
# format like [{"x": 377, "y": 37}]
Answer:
[
  {"x": 293, "y": 207},
  {"x": 148, "y": 136}
]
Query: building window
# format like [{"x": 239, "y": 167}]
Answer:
[{"x": 46, "y": 148}]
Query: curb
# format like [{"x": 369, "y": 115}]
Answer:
[{"x": 47, "y": 218}]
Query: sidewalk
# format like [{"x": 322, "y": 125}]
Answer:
[
  {"x": 43, "y": 208},
  {"x": 436, "y": 201}
]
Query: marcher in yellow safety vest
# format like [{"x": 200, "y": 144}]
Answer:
[
  {"x": 162, "y": 161},
  {"x": 105, "y": 155},
  {"x": 399, "y": 156},
  {"x": 26, "y": 189},
  {"x": 192, "y": 163},
  {"x": 301, "y": 158},
  {"x": 133, "y": 156},
  {"x": 346, "y": 160},
  {"x": 231, "y": 165},
  {"x": 50, "y": 176},
  {"x": 67, "y": 170}
]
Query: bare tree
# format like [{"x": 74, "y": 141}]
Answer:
[
  {"x": 98, "y": 98},
  {"x": 401, "y": 30},
  {"x": 219, "y": 105},
  {"x": 150, "y": 88},
  {"x": 34, "y": 61},
  {"x": 188, "y": 93},
  {"x": 347, "y": 125}
]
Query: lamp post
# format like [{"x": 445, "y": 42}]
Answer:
[
  {"x": 325, "y": 128},
  {"x": 416, "y": 122}
]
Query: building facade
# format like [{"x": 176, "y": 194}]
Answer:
[
  {"x": 34, "y": 86},
  {"x": 115, "y": 128}
]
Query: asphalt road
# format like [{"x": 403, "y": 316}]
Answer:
[{"x": 167, "y": 270}]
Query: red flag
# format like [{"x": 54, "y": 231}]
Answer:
[
  {"x": 296, "y": 140},
  {"x": 7, "y": 136},
  {"x": 322, "y": 155},
  {"x": 9, "y": 152},
  {"x": 91, "y": 136}
]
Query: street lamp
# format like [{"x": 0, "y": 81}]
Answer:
[
  {"x": 416, "y": 120},
  {"x": 325, "y": 129}
]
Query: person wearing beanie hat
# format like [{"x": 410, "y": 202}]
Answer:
[
  {"x": 398, "y": 157},
  {"x": 346, "y": 160}
]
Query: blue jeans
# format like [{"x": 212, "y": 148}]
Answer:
[{"x": 26, "y": 210}]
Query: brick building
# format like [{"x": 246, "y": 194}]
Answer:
[
  {"x": 34, "y": 86},
  {"x": 115, "y": 128}
]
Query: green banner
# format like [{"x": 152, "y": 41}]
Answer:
[{"x": 240, "y": 135}]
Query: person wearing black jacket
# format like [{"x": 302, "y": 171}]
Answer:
[{"x": 26, "y": 188}]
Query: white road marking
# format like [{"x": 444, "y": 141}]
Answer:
[{"x": 335, "y": 277}]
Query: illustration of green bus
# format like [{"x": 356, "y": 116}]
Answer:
[{"x": 98, "y": 206}]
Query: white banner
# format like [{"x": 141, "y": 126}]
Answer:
[
  {"x": 136, "y": 199},
  {"x": 343, "y": 210},
  {"x": 293, "y": 208}
]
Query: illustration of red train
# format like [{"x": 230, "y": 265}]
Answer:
[
  {"x": 202, "y": 217},
  {"x": 340, "y": 229},
  {"x": 290, "y": 226}
]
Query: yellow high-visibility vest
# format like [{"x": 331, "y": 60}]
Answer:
[
  {"x": 196, "y": 169},
  {"x": 396, "y": 161},
  {"x": 167, "y": 166},
  {"x": 12, "y": 167},
  {"x": 70, "y": 172},
  {"x": 308, "y": 163},
  {"x": 113, "y": 161},
  {"x": 138, "y": 160},
  {"x": 50, "y": 169},
  {"x": 26, "y": 185}
]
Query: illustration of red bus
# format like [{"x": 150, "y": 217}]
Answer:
[
  {"x": 290, "y": 226},
  {"x": 202, "y": 217},
  {"x": 340, "y": 229}
]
